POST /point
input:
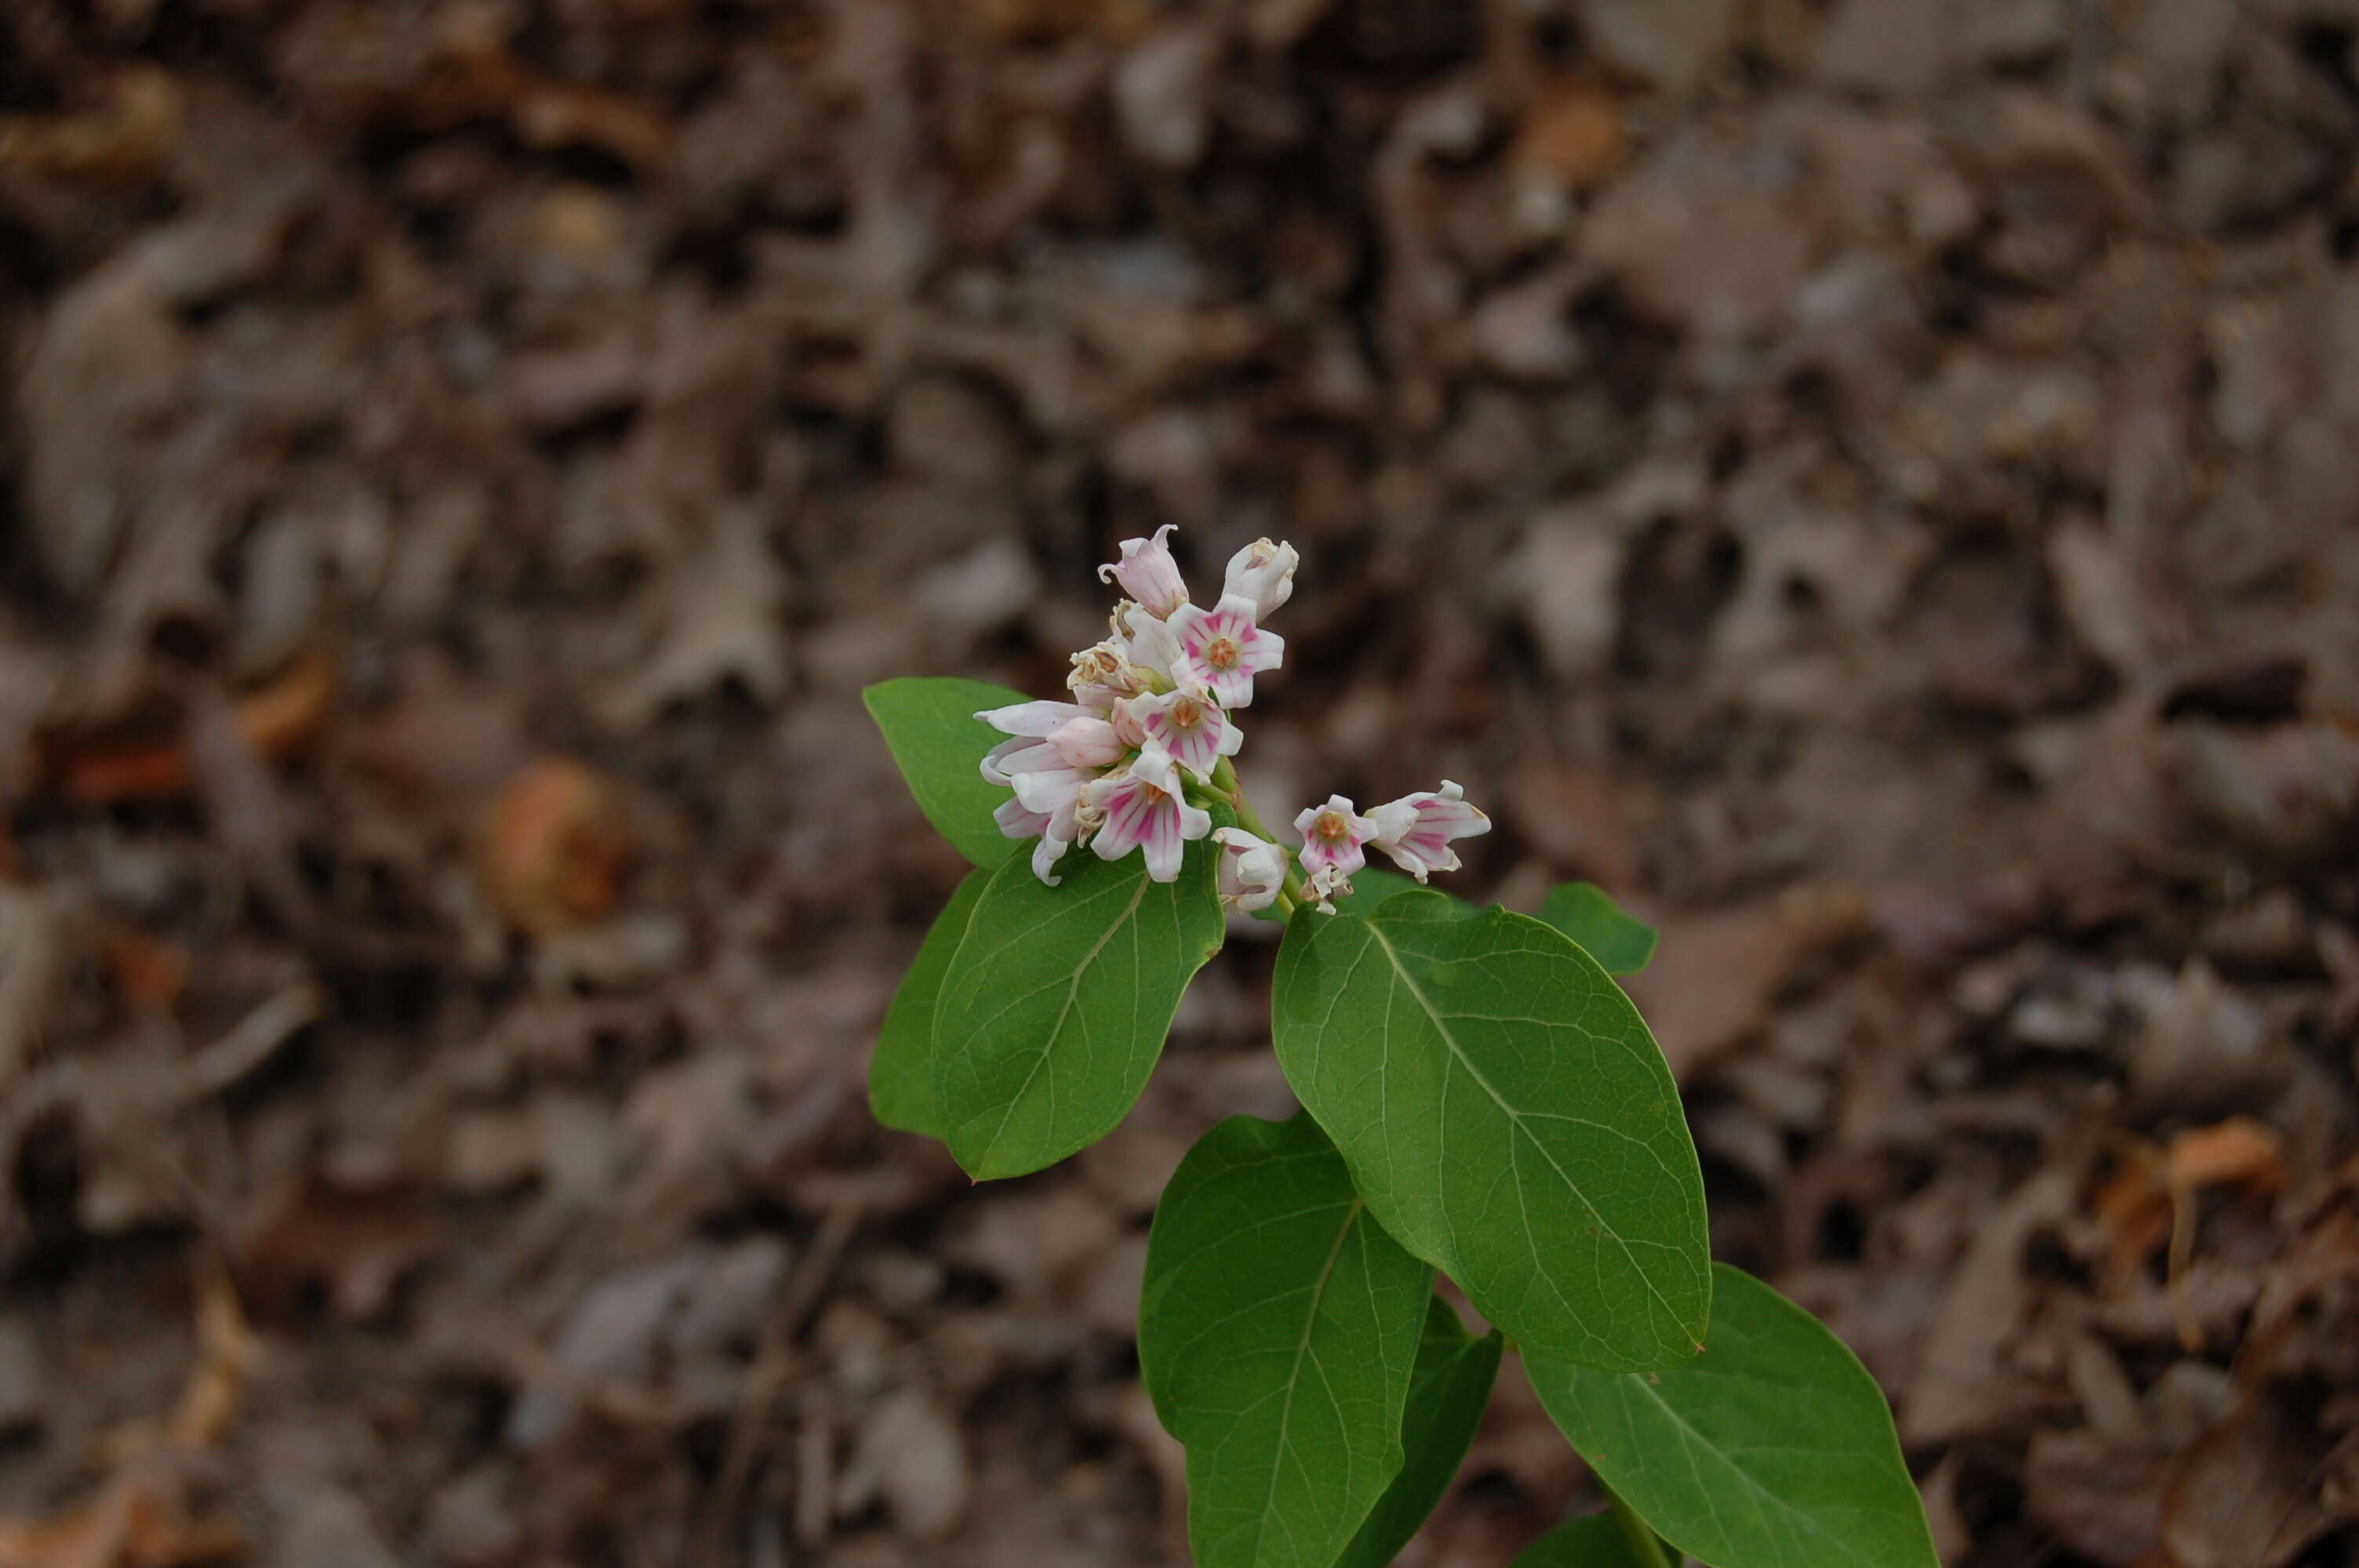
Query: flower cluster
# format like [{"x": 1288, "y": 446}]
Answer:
[{"x": 1129, "y": 763}]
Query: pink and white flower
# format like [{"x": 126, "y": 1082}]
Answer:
[
  {"x": 1186, "y": 724},
  {"x": 1089, "y": 742},
  {"x": 1141, "y": 808},
  {"x": 1031, "y": 724},
  {"x": 1250, "y": 871},
  {"x": 1261, "y": 573},
  {"x": 1057, "y": 748},
  {"x": 1415, "y": 829},
  {"x": 1148, "y": 573},
  {"x": 1221, "y": 650},
  {"x": 1333, "y": 839}
]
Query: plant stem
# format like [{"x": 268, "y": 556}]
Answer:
[
  {"x": 1224, "y": 780},
  {"x": 1645, "y": 1544}
]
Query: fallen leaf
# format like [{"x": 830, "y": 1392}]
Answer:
[
  {"x": 121, "y": 142},
  {"x": 910, "y": 1454},
  {"x": 149, "y": 974},
  {"x": 555, "y": 847},
  {"x": 1572, "y": 133},
  {"x": 1962, "y": 1382},
  {"x": 146, "y": 1517},
  {"x": 277, "y": 722},
  {"x": 1714, "y": 975},
  {"x": 353, "y": 1244}
]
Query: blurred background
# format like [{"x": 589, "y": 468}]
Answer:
[{"x": 1871, "y": 483}]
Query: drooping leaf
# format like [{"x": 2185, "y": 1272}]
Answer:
[
  {"x": 1446, "y": 1396},
  {"x": 1597, "y": 1541},
  {"x": 1508, "y": 1117},
  {"x": 1278, "y": 1331},
  {"x": 1057, "y": 1002},
  {"x": 901, "y": 1076},
  {"x": 930, "y": 728},
  {"x": 1772, "y": 1449},
  {"x": 1620, "y": 942}
]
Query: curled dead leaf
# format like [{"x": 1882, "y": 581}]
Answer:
[{"x": 556, "y": 845}]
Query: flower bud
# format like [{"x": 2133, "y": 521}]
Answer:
[
  {"x": 1250, "y": 870},
  {"x": 1263, "y": 574},
  {"x": 1148, "y": 573}
]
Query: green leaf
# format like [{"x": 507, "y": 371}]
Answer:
[
  {"x": 1773, "y": 1449},
  {"x": 1597, "y": 1541},
  {"x": 1619, "y": 942},
  {"x": 1057, "y": 1002},
  {"x": 1508, "y": 1117},
  {"x": 1446, "y": 1396},
  {"x": 930, "y": 727},
  {"x": 900, "y": 1074},
  {"x": 1277, "y": 1334}
]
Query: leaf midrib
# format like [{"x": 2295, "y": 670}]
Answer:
[
  {"x": 1072, "y": 993},
  {"x": 1516, "y": 1118},
  {"x": 1698, "y": 1441},
  {"x": 1294, "y": 1373}
]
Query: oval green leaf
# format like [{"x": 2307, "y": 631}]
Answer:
[
  {"x": 1508, "y": 1117},
  {"x": 1772, "y": 1449},
  {"x": 1447, "y": 1392},
  {"x": 1057, "y": 1002},
  {"x": 901, "y": 1073},
  {"x": 929, "y": 726},
  {"x": 1597, "y": 1541},
  {"x": 1278, "y": 1331},
  {"x": 1620, "y": 942}
]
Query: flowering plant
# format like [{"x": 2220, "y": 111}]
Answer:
[{"x": 1478, "y": 1098}]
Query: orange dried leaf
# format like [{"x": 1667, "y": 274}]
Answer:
[
  {"x": 281, "y": 720},
  {"x": 121, "y": 142},
  {"x": 149, "y": 974},
  {"x": 556, "y": 846},
  {"x": 1572, "y": 133},
  {"x": 278, "y": 720},
  {"x": 2238, "y": 1152}
]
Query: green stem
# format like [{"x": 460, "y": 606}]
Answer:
[
  {"x": 1645, "y": 1544},
  {"x": 1224, "y": 781}
]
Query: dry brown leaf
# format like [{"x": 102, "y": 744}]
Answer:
[
  {"x": 149, "y": 974},
  {"x": 353, "y": 1245},
  {"x": 1714, "y": 975},
  {"x": 1572, "y": 133},
  {"x": 555, "y": 847},
  {"x": 146, "y": 1518},
  {"x": 122, "y": 142},
  {"x": 277, "y": 722}
]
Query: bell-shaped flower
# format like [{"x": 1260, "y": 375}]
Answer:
[
  {"x": 1221, "y": 650},
  {"x": 1148, "y": 573},
  {"x": 1031, "y": 724},
  {"x": 1089, "y": 742},
  {"x": 1250, "y": 871},
  {"x": 1263, "y": 574},
  {"x": 1334, "y": 839},
  {"x": 1186, "y": 724},
  {"x": 1415, "y": 829},
  {"x": 1141, "y": 808}
]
